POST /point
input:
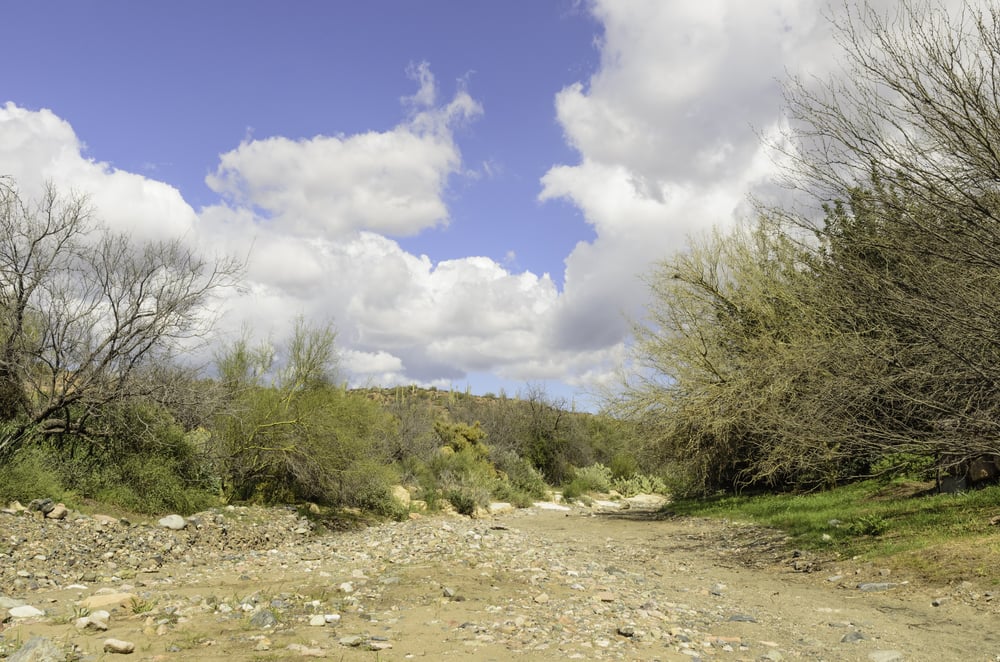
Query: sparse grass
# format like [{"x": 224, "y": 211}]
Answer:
[
  {"x": 940, "y": 537},
  {"x": 140, "y": 606}
]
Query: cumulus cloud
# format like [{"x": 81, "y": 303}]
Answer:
[
  {"x": 388, "y": 182},
  {"x": 667, "y": 131},
  {"x": 37, "y": 147}
]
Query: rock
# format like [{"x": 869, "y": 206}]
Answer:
[
  {"x": 102, "y": 600},
  {"x": 43, "y": 506},
  {"x": 118, "y": 646},
  {"x": 402, "y": 495},
  {"x": 605, "y": 596},
  {"x": 174, "y": 522},
  {"x": 500, "y": 507},
  {"x": 14, "y": 507},
  {"x": 937, "y": 602},
  {"x": 306, "y": 651},
  {"x": 351, "y": 641},
  {"x": 772, "y": 656},
  {"x": 741, "y": 618},
  {"x": 38, "y": 649},
  {"x": 25, "y": 611},
  {"x": 549, "y": 505},
  {"x": 317, "y": 621},
  {"x": 106, "y": 520},
  {"x": 263, "y": 619},
  {"x": 870, "y": 587},
  {"x": 600, "y": 506},
  {"x": 541, "y": 598},
  {"x": 647, "y": 503},
  {"x": 852, "y": 637},
  {"x": 59, "y": 511},
  {"x": 885, "y": 656},
  {"x": 626, "y": 630},
  {"x": 378, "y": 645},
  {"x": 87, "y": 623},
  {"x": 331, "y": 618}
]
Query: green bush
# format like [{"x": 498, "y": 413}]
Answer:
[
  {"x": 152, "y": 484},
  {"x": 522, "y": 475},
  {"x": 31, "y": 475},
  {"x": 639, "y": 484},
  {"x": 869, "y": 525},
  {"x": 595, "y": 478},
  {"x": 368, "y": 485},
  {"x": 623, "y": 465}
]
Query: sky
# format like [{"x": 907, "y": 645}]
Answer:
[{"x": 470, "y": 191}]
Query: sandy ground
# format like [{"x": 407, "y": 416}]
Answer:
[{"x": 533, "y": 585}]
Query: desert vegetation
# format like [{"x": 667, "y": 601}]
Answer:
[
  {"x": 851, "y": 330},
  {"x": 847, "y": 331},
  {"x": 96, "y": 402}
]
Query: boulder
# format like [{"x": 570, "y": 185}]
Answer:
[
  {"x": 174, "y": 522},
  {"x": 38, "y": 649}
]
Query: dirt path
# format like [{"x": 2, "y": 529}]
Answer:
[{"x": 533, "y": 585}]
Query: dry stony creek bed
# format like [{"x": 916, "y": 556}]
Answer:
[{"x": 536, "y": 584}]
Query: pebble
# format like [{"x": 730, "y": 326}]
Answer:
[{"x": 118, "y": 646}]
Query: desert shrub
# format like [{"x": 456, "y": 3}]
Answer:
[
  {"x": 31, "y": 474},
  {"x": 368, "y": 485},
  {"x": 869, "y": 525},
  {"x": 639, "y": 484},
  {"x": 904, "y": 465},
  {"x": 595, "y": 478},
  {"x": 623, "y": 465},
  {"x": 521, "y": 474},
  {"x": 150, "y": 484}
]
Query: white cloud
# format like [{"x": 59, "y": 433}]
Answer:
[
  {"x": 667, "y": 136},
  {"x": 38, "y": 147},
  {"x": 388, "y": 182}
]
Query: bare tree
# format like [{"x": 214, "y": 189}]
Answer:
[
  {"x": 904, "y": 147},
  {"x": 88, "y": 317}
]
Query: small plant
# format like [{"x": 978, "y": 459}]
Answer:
[
  {"x": 139, "y": 606},
  {"x": 869, "y": 525}
]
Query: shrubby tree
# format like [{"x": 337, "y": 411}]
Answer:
[
  {"x": 287, "y": 432},
  {"x": 904, "y": 149},
  {"x": 90, "y": 317},
  {"x": 782, "y": 358}
]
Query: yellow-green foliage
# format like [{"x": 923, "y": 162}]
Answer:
[{"x": 460, "y": 437}]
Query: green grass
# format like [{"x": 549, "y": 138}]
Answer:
[{"x": 942, "y": 537}]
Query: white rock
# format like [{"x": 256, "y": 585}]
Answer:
[
  {"x": 118, "y": 646},
  {"x": 331, "y": 618},
  {"x": 25, "y": 611},
  {"x": 549, "y": 505},
  {"x": 175, "y": 522},
  {"x": 647, "y": 502},
  {"x": 500, "y": 507},
  {"x": 317, "y": 621}
]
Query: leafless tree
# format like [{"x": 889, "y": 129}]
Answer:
[{"x": 89, "y": 317}]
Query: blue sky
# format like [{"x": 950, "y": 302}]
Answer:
[{"x": 471, "y": 191}]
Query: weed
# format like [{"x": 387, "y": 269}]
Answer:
[
  {"x": 139, "y": 606},
  {"x": 869, "y": 525}
]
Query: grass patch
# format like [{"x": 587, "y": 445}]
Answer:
[{"x": 939, "y": 537}]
